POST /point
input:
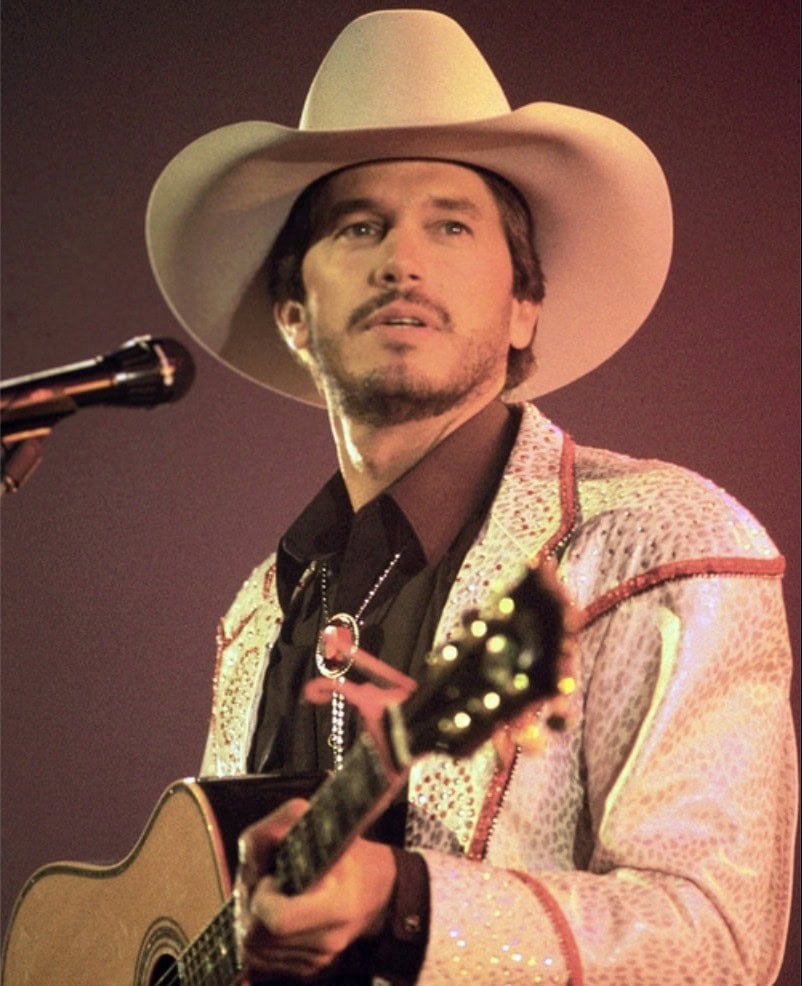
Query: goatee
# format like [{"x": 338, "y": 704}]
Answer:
[
  {"x": 372, "y": 401},
  {"x": 385, "y": 397}
]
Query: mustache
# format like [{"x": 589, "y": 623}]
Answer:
[{"x": 411, "y": 295}]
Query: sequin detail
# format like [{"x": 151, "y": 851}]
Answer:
[{"x": 650, "y": 829}]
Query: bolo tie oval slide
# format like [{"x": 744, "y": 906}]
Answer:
[{"x": 337, "y": 645}]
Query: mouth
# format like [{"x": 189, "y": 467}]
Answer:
[
  {"x": 406, "y": 311},
  {"x": 396, "y": 317}
]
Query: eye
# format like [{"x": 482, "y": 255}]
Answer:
[
  {"x": 453, "y": 227},
  {"x": 360, "y": 230}
]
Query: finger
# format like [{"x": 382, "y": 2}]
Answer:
[
  {"x": 344, "y": 902},
  {"x": 297, "y": 955},
  {"x": 257, "y": 842},
  {"x": 281, "y": 963},
  {"x": 296, "y": 921}
]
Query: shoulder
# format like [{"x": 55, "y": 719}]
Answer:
[
  {"x": 640, "y": 522},
  {"x": 610, "y": 495},
  {"x": 649, "y": 497}
]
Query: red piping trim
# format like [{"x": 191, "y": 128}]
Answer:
[
  {"x": 268, "y": 581},
  {"x": 507, "y": 753},
  {"x": 560, "y": 924},
  {"x": 567, "y": 496},
  {"x": 224, "y": 641},
  {"x": 727, "y": 565}
]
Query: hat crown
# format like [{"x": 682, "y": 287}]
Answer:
[{"x": 397, "y": 68}]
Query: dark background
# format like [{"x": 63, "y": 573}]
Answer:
[{"x": 133, "y": 536}]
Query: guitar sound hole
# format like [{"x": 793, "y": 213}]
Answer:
[
  {"x": 162, "y": 968},
  {"x": 163, "y": 943}
]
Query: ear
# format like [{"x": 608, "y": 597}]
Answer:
[
  {"x": 523, "y": 322},
  {"x": 290, "y": 317}
]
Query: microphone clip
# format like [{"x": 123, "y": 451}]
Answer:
[{"x": 19, "y": 461}]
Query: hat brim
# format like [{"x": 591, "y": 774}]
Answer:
[{"x": 598, "y": 196}]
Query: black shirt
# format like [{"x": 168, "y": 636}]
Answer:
[{"x": 431, "y": 515}]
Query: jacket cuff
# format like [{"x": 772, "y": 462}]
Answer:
[{"x": 396, "y": 954}]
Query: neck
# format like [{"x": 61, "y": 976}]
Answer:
[{"x": 373, "y": 457}]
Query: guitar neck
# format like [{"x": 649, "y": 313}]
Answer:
[
  {"x": 342, "y": 807},
  {"x": 210, "y": 960},
  {"x": 512, "y": 653}
]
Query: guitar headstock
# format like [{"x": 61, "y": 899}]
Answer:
[{"x": 508, "y": 656}]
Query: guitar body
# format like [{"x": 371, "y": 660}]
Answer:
[{"x": 125, "y": 924}]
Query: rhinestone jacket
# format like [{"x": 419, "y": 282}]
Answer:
[{"x": 653, "y": 842}]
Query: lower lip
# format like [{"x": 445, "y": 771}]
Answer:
[
  {"x": 404, "y": 336},
  {"x": 393, "y": 327}
]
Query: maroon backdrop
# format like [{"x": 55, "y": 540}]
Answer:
[{"x": 132, "y": 537}]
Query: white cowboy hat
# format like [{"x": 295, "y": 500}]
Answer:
[{"x": 412, "y": 84}]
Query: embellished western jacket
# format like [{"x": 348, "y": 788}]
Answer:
[{"x": 653, "y": 842}]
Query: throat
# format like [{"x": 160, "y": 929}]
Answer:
[{"x": 372, "y": 458}]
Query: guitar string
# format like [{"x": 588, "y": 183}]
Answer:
[
  {"x": 193, "y": 952},
  {"x": 192, "y": 959},
  {"x": 214, "y": 949},
  {"x": 215, "y": 946},
  {"x": 527, "y": 641}
]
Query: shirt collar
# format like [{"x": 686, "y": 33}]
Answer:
[
  {"x": 435, "y": 498},
  {"x": 455, "y": 479}
]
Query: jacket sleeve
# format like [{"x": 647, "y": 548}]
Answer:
[{"x": 683, "y": 777}]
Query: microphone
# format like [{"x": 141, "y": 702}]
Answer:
[{"x": 141, "y": 373}]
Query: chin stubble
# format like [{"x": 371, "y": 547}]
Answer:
[{"x": 380, "y": 399}]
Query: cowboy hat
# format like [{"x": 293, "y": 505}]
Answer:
[{"x": 412, "y": 84}]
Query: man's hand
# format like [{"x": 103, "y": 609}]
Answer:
[{"x": 301, "y": 935}]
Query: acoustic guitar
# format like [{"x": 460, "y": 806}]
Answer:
[{"x": 164, "y": 916}]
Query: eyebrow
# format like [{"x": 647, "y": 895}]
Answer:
[
  {"x": 464, "y": 205},
  {"x": 333, "y": 214}
]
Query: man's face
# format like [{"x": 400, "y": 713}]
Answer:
[{"x": 409, "y": 308}]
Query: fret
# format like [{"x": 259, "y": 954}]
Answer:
[
  {"x": 335, "y": 810},
  {"x": 227, "y": 943},
  {"x": 328, "y": 832},
  {"x": 211, "y": 959},
  {"x": 368, "y": 780}
]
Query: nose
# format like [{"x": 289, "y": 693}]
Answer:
[{"x": 400, "y": 261}]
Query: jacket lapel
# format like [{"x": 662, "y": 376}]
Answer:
[{"x": 452, "y": 800}]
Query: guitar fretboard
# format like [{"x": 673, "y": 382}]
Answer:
[
  {"x": 211, "y": 960},
  {"x": 510, "y": 654},
  {"x": 336, "y": 811}
]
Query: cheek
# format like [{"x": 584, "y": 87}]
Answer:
[
  {"x": 488, "y": 272},
  {"x": 325, "y": 292}
]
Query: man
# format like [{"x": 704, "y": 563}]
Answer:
[{"x": 379, "y": 260}]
